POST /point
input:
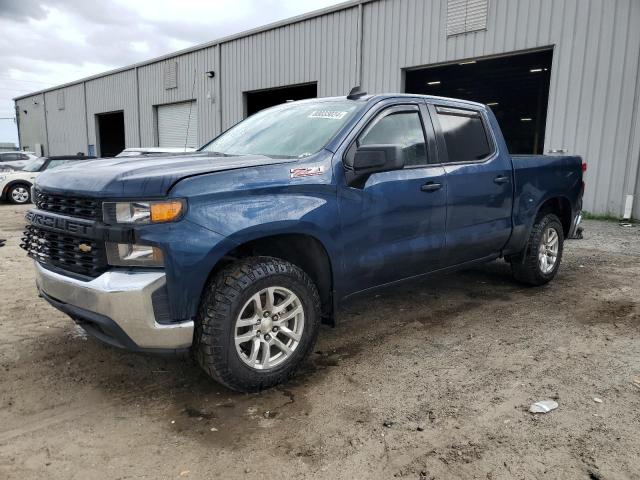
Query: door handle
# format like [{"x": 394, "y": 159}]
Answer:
[
  {"x": 501, "y": 179},
  {"x": 431, "y": 187}
]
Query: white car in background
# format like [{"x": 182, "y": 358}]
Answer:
[
  {"x": 15, "y": 160},
  {"x": 15, "y": 186},
  {"x": 136, "y": 152}
]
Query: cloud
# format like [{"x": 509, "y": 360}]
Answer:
[
  {"x": 22, "y": 10},
  {"x": 48, "y": 42}
]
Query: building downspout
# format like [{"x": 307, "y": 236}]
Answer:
[
  {"x": 359, "y": 42},
  {"x": 138, "y": 107},
  {"x": 632, "y": 177},
  {"x": 46, "y": 126},
  {"x": 219, "y": 89},
  {"x": 86, "y": 120},
  {"x": 17, "y": 113}
]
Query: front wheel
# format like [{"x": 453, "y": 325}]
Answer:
[
  {"x": 541, "y": 258},
  {"x": 258, "y": 320},
  {"x": 19, "y": 194}
]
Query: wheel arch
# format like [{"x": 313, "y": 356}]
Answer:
[
  {"x": 561, "y": 207},
  {"x": 301, "y": 249},
  {"x": 13, "y": 183}
]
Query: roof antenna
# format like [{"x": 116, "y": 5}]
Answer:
[{"x": 356, "y": 93}]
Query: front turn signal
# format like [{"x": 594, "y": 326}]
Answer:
[{"x": 165, "y": 211}]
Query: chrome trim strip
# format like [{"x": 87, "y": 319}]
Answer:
[{"x": 125, "y": 297}]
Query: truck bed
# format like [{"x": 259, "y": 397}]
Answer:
[{"x": 541, "y": 177}]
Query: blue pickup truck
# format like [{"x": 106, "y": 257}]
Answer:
[{"x": 240, "y": 250}]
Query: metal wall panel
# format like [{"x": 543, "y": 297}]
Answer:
[
  {"x": 593, "y": 94},
  {"x": 113, "y": 93},
  {"x": 321, "y": 49},
  {"x": 32, "y": 123},
  {"x": 593, "y": 104},
  {"x": 190, "y": 67},
  {"x": 66, "y": 126}
]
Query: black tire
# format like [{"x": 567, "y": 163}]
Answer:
[
  {"x": 222, "y": 300},
  {"x": 526, "y": 267},
  {"x": 14, "y": 188}
]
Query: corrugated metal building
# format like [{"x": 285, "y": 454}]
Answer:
[{"x": 584, "y": 100}]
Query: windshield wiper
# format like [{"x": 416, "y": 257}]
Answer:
[{"x": 219, "y": 154}]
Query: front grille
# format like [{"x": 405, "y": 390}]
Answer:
[
  {"x": 77, "y": 255},
  {"x": 73, "y": 206}
]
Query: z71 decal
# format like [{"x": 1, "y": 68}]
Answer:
[{"x": 306, "y": 171}]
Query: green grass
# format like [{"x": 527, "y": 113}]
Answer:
[{"x": 607, "y": 217}]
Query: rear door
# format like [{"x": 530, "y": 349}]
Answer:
[
  {"x": 393, "y": 226},
  {"x": 479, "y": 184}
]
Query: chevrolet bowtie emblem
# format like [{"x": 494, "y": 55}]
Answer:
[{"x": 83, "y": 247}]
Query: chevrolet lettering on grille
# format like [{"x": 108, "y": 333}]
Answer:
[{"x": 58, "y": 223}]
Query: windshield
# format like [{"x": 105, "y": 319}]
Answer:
[
  {"x": 290, "y": 130},
  {"x": 34, "y": 165}
]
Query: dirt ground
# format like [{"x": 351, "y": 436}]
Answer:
[{"x": 450, "y": 365}]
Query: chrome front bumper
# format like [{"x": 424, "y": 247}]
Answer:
[{"x": 121, "y": 296}]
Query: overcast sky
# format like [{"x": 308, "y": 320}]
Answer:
[{"x": 46, "y": 43}]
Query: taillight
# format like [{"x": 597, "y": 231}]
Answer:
[{"x": 584, "y": 166}]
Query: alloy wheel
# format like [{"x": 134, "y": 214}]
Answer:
[
  {"x": 548, "y": 251},
  {"x": 269, "y": 328},
  {"x": 20, "y": 195}
]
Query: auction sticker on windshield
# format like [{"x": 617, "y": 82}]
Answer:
[{"x": 331, "y": 114}]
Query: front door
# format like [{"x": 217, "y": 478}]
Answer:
[{"x": 393, "y": 225}]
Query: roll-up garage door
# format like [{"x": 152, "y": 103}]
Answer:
[{"x": 178, "y": 122}]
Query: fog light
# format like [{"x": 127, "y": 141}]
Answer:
[{"x": 134, "y": 255}]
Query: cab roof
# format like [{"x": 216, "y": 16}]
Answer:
[{"x": 390, "y": 96}]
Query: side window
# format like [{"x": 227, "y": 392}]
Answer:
[
  {"x": 56, "y": 163},
  {"x": 9, "y": 157},
  {"x": 23, "y": 156},
  {"x": 464, "y": 134},
  {"x": 401, "y": 128}
]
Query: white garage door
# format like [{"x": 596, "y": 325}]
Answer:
[{"x": 176, "y": 124}]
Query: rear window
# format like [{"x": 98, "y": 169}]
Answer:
[
  {"x": 8, "y": 157},
  {"x": 464, "y": 134}
]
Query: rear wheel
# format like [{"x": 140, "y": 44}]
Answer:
[
  {"x": 19, "y": 194},
  {"x": 258, "y": 320},
  {"x": 543, "y": 253}
]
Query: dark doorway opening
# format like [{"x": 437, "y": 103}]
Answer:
[
  {"x": 110, "y": 133},
  {"x": 261, "y": 99},
  {"x": 516, "y": 87}
]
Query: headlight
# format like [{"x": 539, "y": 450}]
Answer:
[
  {"x": 143, "y": 212},
  {"x": 134, "y": 255}
]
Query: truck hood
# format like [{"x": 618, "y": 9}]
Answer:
[{"x": 137, "y": 177}]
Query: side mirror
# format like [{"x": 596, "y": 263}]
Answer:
[{"x": 370, "y": 159}]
